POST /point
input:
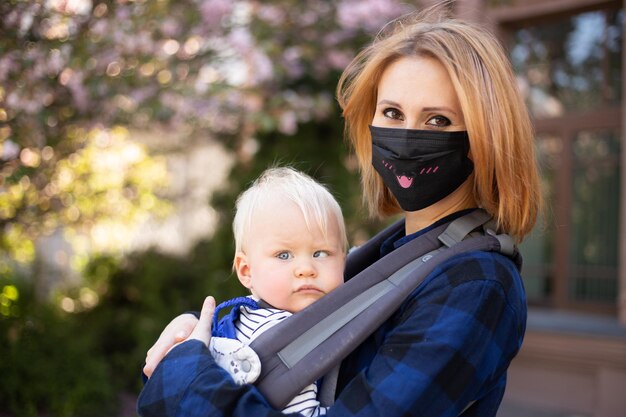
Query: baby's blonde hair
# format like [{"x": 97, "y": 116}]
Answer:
[{"x": 316, "y": 203}]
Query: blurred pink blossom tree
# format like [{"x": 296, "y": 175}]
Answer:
[
  {"x": 81, "y": 82},
  {"x": 76, "y": 73}
]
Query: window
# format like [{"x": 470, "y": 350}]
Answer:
[
  {"x": 594, "y": 217},
  {"x": 570, "y": 64},
  {"x": 570, "y": 71}
]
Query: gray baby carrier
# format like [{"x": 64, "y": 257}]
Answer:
[{"x": 312, "y": 343}]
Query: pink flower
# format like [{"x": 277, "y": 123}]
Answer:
[
  {"x": 213, "y": 11},
  {"x": 369, "y": 15},
  {"x": 271, "y": 14}
]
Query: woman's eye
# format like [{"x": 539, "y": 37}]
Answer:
[
  {"x": 320, "y": 254},
  {"x": 394, "y": 114},
  {"x": 283, "y": 255},
  {"x": 439, "y": 121}
]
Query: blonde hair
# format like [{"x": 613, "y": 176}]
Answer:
[
  {"x": 317, "y": 204},
  {"x": 506, "y": 180}
]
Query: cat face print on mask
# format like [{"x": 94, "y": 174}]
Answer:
[{"x": 420, "y": 167}]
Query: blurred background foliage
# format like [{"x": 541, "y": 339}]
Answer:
[{"x": 94, "y": 97}]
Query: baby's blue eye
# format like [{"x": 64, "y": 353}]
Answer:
[
  {"x": 283, "y": 255},
  {"x": 320, "y": 254}
]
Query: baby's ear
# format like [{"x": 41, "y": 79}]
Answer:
[{"x": 242, "y": 267}]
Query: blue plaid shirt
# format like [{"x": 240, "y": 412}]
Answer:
[{"x": 444, "y": 352}]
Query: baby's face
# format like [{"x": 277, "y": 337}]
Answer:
[{"x": 286, "y": 264}]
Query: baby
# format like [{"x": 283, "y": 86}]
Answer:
[{"x": 290, "y": 250}]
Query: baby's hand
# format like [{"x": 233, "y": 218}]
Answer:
[
  {"x": 241, "y": 362},
  {"x": 202, "y": 331}
]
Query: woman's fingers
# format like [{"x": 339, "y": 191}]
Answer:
[
  {"x": 175, "y": 332},
  {"x": 202, "y": 331}
]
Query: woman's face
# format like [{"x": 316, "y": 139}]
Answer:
[{"x": 417, "y": 93}]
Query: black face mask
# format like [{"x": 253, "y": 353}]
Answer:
[{"x": 420, "y": 167}]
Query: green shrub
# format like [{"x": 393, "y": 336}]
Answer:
[{"x": 51, "y": 366}]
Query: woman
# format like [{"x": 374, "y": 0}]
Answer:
[{"x": 439, "y": 128}]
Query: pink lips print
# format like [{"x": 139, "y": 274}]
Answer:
[{"x": 404, "y": 180}]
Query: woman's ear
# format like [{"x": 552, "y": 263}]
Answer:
[{"x": 242, "y": 268}]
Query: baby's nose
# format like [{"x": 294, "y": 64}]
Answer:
[{"x": 305, "y": 269}]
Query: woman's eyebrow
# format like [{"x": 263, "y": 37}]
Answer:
[
  {"x": 443, "y": 108},
  {"x": 388, "y": 102}
]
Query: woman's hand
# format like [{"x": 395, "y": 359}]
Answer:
[
  {"x": 177, "y": 331},
  {"x": 183, "y": 327}
]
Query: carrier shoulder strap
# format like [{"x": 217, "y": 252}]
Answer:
[{"x": 310, "y": 343}]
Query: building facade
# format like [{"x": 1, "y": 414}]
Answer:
[{"x": 569, "y": 60}]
